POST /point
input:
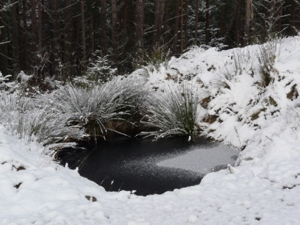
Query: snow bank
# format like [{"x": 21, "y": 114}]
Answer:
[
  {"x": 236, "y": 100},
  {"x": 34, "y": 190}
]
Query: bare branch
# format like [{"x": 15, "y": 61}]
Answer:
[{"x": 4, "y": 42}]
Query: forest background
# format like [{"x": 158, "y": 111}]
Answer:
[{"x": 62, "y": 39}]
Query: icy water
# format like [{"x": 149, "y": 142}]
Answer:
[{"x": 146, "y": 167}]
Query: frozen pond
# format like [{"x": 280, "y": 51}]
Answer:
[
  {"x": 146, "y": 167},
  {"x": 202, "y": 158}
]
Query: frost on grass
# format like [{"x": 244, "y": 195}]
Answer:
[
  {"x": 70, "y": 113},
  {"x": 240, "y": 89},
  {"x": 172, "y": 112},
  {"x": 94, "y": 110},
  {"x": 31, "y": 120}
]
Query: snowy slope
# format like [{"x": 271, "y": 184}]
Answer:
[
  {"x": 263, "y": 188},
  {"x": 264, "y": 192}
]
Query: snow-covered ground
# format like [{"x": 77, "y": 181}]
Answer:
[{"x": 243, "y": 110}]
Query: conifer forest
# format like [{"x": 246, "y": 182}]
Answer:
[{"x": 62, "y": 39}]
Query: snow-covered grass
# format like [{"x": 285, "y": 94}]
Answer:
[
  {"x": 236, "y": 99},
  {"x": 70, "y": 113},
  {"x": 102, "y": 108},
  {"x": 29, "y": 119},
  {"x": 238, "y": 108},
  {"x": 172, "y": 112}
]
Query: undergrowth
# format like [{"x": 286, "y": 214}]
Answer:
[
  {"x": 123, "y": 104},
  {"x": 266, "y": 57},
  {"x": 71, "y": 114},
  {"x": 30, "y": 120},
  {"x": 94, "y": 109},
  {"x": 172, "y": 113}
]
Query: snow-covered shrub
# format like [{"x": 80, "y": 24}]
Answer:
[
  {"x": 3, "y": 78},
  {"x": 152, "y": 60},
  {"x": 172, "y": 113},
  {"x": 99, "y": 109},
  {"x": 3, "y": 82},
  {"x": 261, "y": 61},
  {"x": 30, "y": 119},
  {"x": 266, "y": 56},
  {"x": 70, "y": 114},
  {"x": 9, "y": 104},
  {"x": 241, "y": 57},
  {"x": 262, "y": 91},
  {"x": 30, "y": 85},
  {"x": 46, "y": 127},
  {"x": 98, "y": 71}
]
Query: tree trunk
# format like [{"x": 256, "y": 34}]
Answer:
[
  {"x": 114, "y": 28},
  {"x": 176, "y": 28},
  {"x": 237, "y": 25},
  {"x": 83, "y": 38},
  {"x": 103, "y": 28},
  {"x": 34, "y": 37},
  {"x": 92, "y": 32},
  {"x": 40, "y": 31},
  {"x": 15, "y": 37},
  {"x": 55, "y": 41},
  {"x": 207, "y": 30},
  {"x": 196, "y": 22},
  {"x": 223, "y": 20},
  {"x": 67, "y": 44},
  {"x": 3, "y": 44},
  {"x": 248, "y": 18},
  {"x": 159, "y": 16},
  {"x": 139, "y": 23},
  {"x": 4, "y": 51},
  {"x": 185, "y": 24},
  {"x": 25, "y": 40},
  {"x": 124, "y": 29},
  {"x": 181, "y": 26},
  {"x": 76, "y": 48}
]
